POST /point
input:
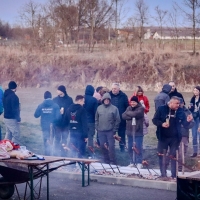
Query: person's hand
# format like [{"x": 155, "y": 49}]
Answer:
[
  {"x": 86, "y": 139},
  {"x": 199, "y": 129},
  {"x": 62, "y": 111},
  {"x": 189, "y": 118},
  {"x": 165, "y": 125}
]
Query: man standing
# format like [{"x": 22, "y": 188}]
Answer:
[
  {"x": 49, "y": 113},
  {"x": 168, "y": 119},
  {"x": 90, "y": 106},
  {"x": 61, "y": 128},
  {"x": 120, "y": 100},
  {"x": 163, "y": 97},
  {"x": 76, "y": 117},
  {"x": 12, "y": 113},
  {"x": 174, "y": 91},
  {"x": 107, "y": 121}
]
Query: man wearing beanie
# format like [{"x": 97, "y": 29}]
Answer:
[
  {"x": 61, "y": 127},
  {"x": 11, "y": 112},
  {"x": 107, "y": 122},
  {"x": 49, "y": 113},
  {"x": 134, "y": 116}
]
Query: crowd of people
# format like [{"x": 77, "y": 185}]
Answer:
[{"x": 68, "y": 125}]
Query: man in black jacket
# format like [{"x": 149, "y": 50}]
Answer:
[
  {"x": 61, "y": 128},
  {"x": 11, "y": 113},
  {"x": 174, "y": 91},
  {"x": 120, "y": 100},
  {"x": 169, "y": 119},
  {"x": 76, "y": 117}
]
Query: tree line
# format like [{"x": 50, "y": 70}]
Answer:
[{"x": 97, "y": 20}]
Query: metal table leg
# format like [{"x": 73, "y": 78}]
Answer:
[
  {"x": 47, "y": 181},
  {"x": 88, "y": 168},
  {"x": 31, "y": 178},
  {"x": 83, "y": 174}
]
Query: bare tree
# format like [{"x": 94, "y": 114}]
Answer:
[
  {"x": 160, "y": 18},
  {"x": 141, "y": 16},
  {"x": 29, "y": 15},
  {"x": 190, "y": 9}
]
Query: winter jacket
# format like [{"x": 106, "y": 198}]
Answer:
[
  {"x": 192, "y": 108},
  {"x": 137, "y": 113},
  {"x": 144, "y": 99},
  {"x": 145, "y": 124},
  {"x": 121, "y": 102},
  {"x": 76, "y": 117},
  {"x": 177, "y": 94},
  {"x": 49, "y": 113},
  {"x": 185, "y": 131},
  {"x": 107, "y": 116},
  {"x": 64, "y": 102},
  {"x": 11, "y": 105},
  {"x": 91, "y": 104},
  {"x": 1, "y": 100},
  {"x": 163, "y": 97},
  {"x": 160, "y": 117}
]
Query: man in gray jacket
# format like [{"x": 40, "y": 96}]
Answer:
[
  {"x": 163, "y": 97},
  {"x": 107, "y": 120}
]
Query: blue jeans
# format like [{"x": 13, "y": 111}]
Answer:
[
  {"x": 195, "y": 135},
  {"x": 136, "y": 141}
]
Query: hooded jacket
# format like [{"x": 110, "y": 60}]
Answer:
[
  {"x": 136, "y": 112},
  {"x": 64, "y": 102},
  {"x": 107, "y": 116},
  {"x": 121, "y": 102},
  {"x": 11, "y": 105},
  {"x": 49, "y": 113},
  {"x": 76, "y": 117},
  {"x": 163, "y": 97},
  {"x": 91, "y": 104},
  {"x": 177, "y": 94}
]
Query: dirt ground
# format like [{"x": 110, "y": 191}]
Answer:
[{"x": 31, "y": 134}]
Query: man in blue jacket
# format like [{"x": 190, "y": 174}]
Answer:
[
  {"x": 49, "y": 113},
  {"x": 90, "y": 106},
  {"x": 169, "y": 119},
  {"x": 11, "y": 113}
]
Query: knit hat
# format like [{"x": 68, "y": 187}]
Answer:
[
  {"x": 134, "y": 98},
  {"x": 62, "y": 88},
  {"x": 47, "y": 95},
  {"x": 12, "y": 85}
]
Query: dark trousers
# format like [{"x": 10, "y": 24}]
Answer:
[
  {"x": 173, "y": 144},
  {"x": 77, "y": 144},
  {"x": 91, "y": 133},
  {"x": 107, "y": 140},
  {"x": 46, "y": 141},
  {"x": 136, "y": 141},
  {"x": 60, "y": 137},
  {"x": 121, "y": 133}
]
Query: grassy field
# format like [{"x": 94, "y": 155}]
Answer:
[{"x": 31, "y": 135}]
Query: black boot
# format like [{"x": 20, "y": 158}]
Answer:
[{"x": 193, "y": 155}]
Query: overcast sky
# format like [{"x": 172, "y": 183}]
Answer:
[{"x": 9, "y": 9}]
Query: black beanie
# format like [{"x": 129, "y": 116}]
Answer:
[
  {"x": 197, "y": 87},
  {"x": 47, "y": 95},
  {"x": 62, "y": 89},
  {"x": 12, "y": 85},
  {"x": 134, "y": 98}
]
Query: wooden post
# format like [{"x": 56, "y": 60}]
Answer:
[
  {"x": 176, "y": 163},
  {"x": 183, "y": 157}
]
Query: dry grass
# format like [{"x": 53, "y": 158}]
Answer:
[{"x": 127, "y": 66}]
